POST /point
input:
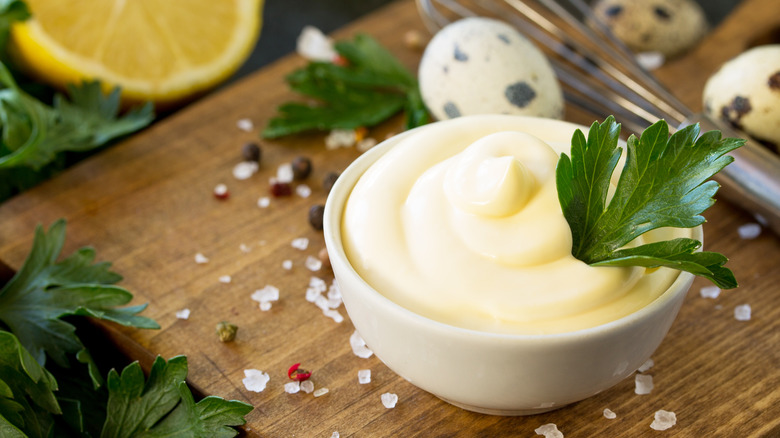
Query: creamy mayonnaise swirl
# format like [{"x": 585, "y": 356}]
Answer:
[{"x": 460, "y": 222}]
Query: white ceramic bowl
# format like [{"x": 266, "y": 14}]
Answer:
[{"x": 486, "y": 372}]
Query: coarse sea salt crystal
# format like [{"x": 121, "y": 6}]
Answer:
[
  {"x": 340, "y": 138},
  {"x": 663, "y": 420},
  {"x": 609, "y": 415},
  {"x": 255, "y": 380},
  {"x": 366, "y": 144},
  {"x": 389, "y": 400},
  {"x": 364, "y": 376},
  {"x": 201, "y": 259},
  {"x": 245, "y": 169},
  {"x": 300, "y": 243},
  {"x": 742, "y": 312},
  {"x": 287, "y": 264},
  {"x": 320, "y": 392},
  {"x": 245, "y": 125},
  {"x": 313, "y": 45},
  {"x": 313, "y": 263},
  {"x": 263, "y": 202},
  {"x": 334, "y": 315},
  {"x": 335, "y": 435},
  {"x": 749, "y": 231},
  {"x": 312, "y": 294},
  {"x": 225, "y": 279},
  {"x": 265, "y": 306},
  {"x": 220, "y": 190},
  {"x": 709, "y": 292},
  {"x": 303, "y": 191},
  {"x": 650, "y": 60},
  {"x": 307, "y": 386},
  {"x": 646, "y": 366},
  {"x": 549, "y": 430},
  {"x": 333, "y": 291},
  {"x": 284, "y": 173},
  {"x": 359, "y": 347},
  {"x": 292, "y": 387},
  {"x": 244, "y": 248},
  {"x": 643, "y": 384},
  {"x": 183, "y": 314},
  {"x": 266, "y": 294},
  {"x": 318, "y": 284}
]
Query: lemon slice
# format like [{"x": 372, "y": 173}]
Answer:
[{"x": 163, "y": 51}]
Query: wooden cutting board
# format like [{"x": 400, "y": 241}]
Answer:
[{"x": 147, "y": 204}]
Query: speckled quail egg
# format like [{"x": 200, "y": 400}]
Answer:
[
  {"x": 745, "y": 92},
  {"x": 669, "y": 27},
  {"x": 484, "y": 66}
]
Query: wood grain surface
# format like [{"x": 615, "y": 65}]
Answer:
[{"x": 147, "y": 205}]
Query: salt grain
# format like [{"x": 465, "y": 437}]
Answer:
[
  {"x": 268, "y": 293},
  {"x": 201, "y": 259},
  {"x": 292, "y": 387},
  {"x": 300, "y": 243},
  {"x": 643, "y": 384},
  {"x": 340, "y": 138},
  {"x": 284, "y": 173},
  {"x": 312, "y": 294},
  {"x": 320, "y": 392},
  {"x": 334, "y": 315},
  {"x": 183, "y": 314},
  {"x": 307, "y": 386},
  {"x": 287, "y": 264},
  {"x": 709, "y": 292},
  {"x": 389, "y": 400},
  {"x": 366, "y": 144},
  {"x": 245, "y": 169},
  {"x": 303, "y": 191},
  {"x": 650, "y": 60},
  {"x": 244, "y": 248},
  {"x": 313, "y": 45},
  {"x": 225, "y": 279},
  {"x": 255, "y": 380},
  {"x": 663, "y": 420},
  {"x": 265, "y": 306},
  {"x": 245, "y": 125},
  {"x": 749, "y": 231},
  {"x": 742, "y": 312},
  {"x": 334, "y": 435},
  {"x": 364, "y": 376},
  {"x": 359, "y": 347},
  {"x": 264, "y": 202},
  {"x": 313, "y": 263},
  {"x": 333, "y": 291},
  {"x": 549, "y": 430},
  {"x": 609, "y": 415},
  {"x": 646, "y": 366},
  {"x": 220, "y": 191},
  {"x": 318, "y": 284}
]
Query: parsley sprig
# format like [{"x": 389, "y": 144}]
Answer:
[
  {"x": 35, "y": 403},
  {"x": 369, "y": 89},
  {"x": 664, "y": 183}
]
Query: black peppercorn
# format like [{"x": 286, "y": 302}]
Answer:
[
  {"x": 251, "y": 152},
  {"x": 315, "y": 216},
  {"x": 301, "y": 167},
  {"x": 329, "y": 180}
]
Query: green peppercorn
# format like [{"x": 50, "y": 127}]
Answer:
[{"x": 226, "y": 331}]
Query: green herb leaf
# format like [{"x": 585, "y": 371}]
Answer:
[
  {"x": 662, "y": 184},
  {"x": 164, "y": 407},
  {"x": 27, "y": 401},
  {"x": 44, "y": 290},
  {"x": 370, "y": 89}
]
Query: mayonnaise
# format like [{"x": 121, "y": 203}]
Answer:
[{"x": 460, "y": 222}]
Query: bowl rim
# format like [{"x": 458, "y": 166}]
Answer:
[{"x": 334, "y": 208}]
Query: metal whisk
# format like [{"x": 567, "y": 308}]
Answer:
[{"x": 600, "y": 76}]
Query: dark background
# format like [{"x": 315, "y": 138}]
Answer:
[{"x": 284, "y": 19}]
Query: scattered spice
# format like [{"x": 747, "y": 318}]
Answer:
[
  {"x": 646, "y": 366},
  {"x": 549, "y": 430},
  {"x": 749, "y": 231},
  {"x": 245, "y": 169},
  {"x": 413, "y": 39},
  {"x": 313, "y": 264},
  {"x": 320, "y": 392},
  {"x": 279, "y": 189},
  {"x": 643, "y": 384},
  {"x": 609, "y": 415},
  {"x": 287, "y": 265},
  {"x": 307, "y": 386},
  {"x": 221, "y": 191},
  {"x": 301, "y": 168},
  {"x": 742, "y": 312},
  {"x": 324, "y": 257},
  {"x": 226, "y": 331},
  {"x": 245, "y": 125},
  {"x": 389, "y": 400},
  {"x": 316, "y": 213},
  {"x": 709, "y": 292},
  {"x": 303, "y": 191},
  {"x": 329, "y": 180},
  {"x": 359, "y": 347},
  {"x": 295, "y": 372},
  {"x": 183, "y": 314},
  {"x": 340, "y": 138},
  {"x": 225, "y": 279},
  {"x": 300, "y": 243},
  {"x": 360, "y": 133},
  {"x": 264, "y": 202},
  {"x": 663, "y": 420},
  {"x": 201, "y": 259},
  {"x": 364, "y": 376},
  {"x": 292, "y": 387},
  {"x": 255, "y": 380},
  {"x": 251, "y": 152}
]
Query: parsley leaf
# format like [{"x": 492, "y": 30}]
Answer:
[
  {"x": 44, "y": 290},
  {"x": 370, "y": 89},
  {"x": 164, "y": 406},
  {"x": 664, "y": 183}
]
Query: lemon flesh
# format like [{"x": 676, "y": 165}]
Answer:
[{"x": 163, "y": 51}]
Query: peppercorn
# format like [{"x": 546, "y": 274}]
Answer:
[
  {"x": 226, "y": 331},
  {"x": 251, "y": 152},
  {"x": 324, "y": 257},
  {"x": 279, "y": 189},
  {"x": 316, "y": 213},
  {"x": 301, "y": 167},
  {"x": 329, "y": 180}
]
